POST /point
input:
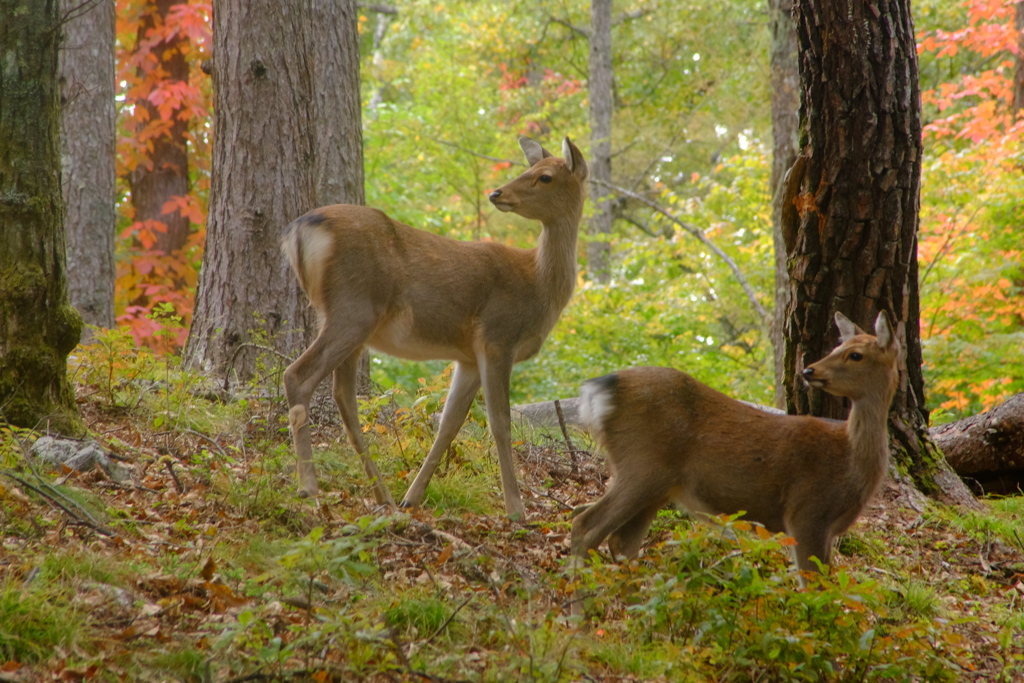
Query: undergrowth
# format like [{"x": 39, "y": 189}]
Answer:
[{"x": 208, "y": 567}]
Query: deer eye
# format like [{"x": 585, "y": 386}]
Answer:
[
  {"x": 856, "y": 356},
  {"x": 545, "y": 179}
]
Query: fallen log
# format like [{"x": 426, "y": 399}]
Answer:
[{"x": 987, "y": 450}]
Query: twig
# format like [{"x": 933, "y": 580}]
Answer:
[
  {"x": 91, "y": 522},
  {"x": 205, "y": 437},
  {"x": 448, "y": 620},
  {"x": 699, "y": 235},
  {"x": 174, "y": 475},
  {"x": 573, "y": 454}
]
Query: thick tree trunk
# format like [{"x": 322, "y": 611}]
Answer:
[
  {"x": 38, "y": 325},
  {"x": 265, "y": 174},
  {"x": 852, "y": 233},
  {"x": 339, "y": 120},
  {"x": 988, "y": 449},
  {"x": 601, "y": 108},
  {"x": 164, "y": 174},
  {"x": 785, "y": 87},
  {"x": 88, "y": 140}
]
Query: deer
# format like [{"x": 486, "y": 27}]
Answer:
[
  {"x": 413, "y": 294},
  {"x": 670, "y": 438}
]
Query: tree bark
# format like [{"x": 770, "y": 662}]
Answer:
[
  {"x": 853, "y": 227},
  {"x": 38, "y": 325},
  {"x": 164, "y": 173},
  {"x": 988, "y": 449},
  {"x": 785, "y": 93},
  {"x": 601, "y": 107},
  {"x": 271, "y": 164},
  {"x": 88, "y": 142},
  {"x": 339, "y": 120}
]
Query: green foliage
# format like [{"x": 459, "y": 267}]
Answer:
[
  {"x": 345, "y": 637},
  {"x": 704, "y": 603}
]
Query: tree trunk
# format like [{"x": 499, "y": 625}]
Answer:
[
  {"x": 785, "y": 89},
  {"x": 988, "y": 449},
  {"x": 339, "y": 120},
  {"x": 601, "y": 107},
  {"x": 88, "y": 141},
  {"x": 854, "y": 224},
  {"x": 164, "y": 172},
  {"x": 265, "y": 174},
  {"x": 38, "y": 325}
]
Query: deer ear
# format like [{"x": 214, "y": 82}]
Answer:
[
  {"x": 574, "y": 159},
  {"x": 883, "y": 330},
  {"x": 533, "y": 151},
  {"x": 847, "y": 330}
]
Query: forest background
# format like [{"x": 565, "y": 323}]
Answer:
[
  {"x": 188, "y": 557},
  {"x": 449, "y": 86}
]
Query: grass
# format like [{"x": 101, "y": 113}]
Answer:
[
  {"x": 34, "y": 622},
  {"x": 236, "y": 576}
]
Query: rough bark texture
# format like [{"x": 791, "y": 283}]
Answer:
[
  {"x": 299, "y": 149},
  {"x": 988, "y": 449},
  {"x": 851, "y": 229},
  {"x": 88, "y": 137},
  {"x": 601, "y": 107},
  {"x": 785, "y": 87},
  {"x": 165, "y": 173},
  {"x": 339, "y": 119},
  {"x": 38, "y": 325}
]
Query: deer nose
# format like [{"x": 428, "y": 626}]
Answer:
[
  {"x": 808, "y": 373},
  {"x": 494, "y": 195}
]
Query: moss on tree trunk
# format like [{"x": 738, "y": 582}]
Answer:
[{"x": 38, "y": 325}]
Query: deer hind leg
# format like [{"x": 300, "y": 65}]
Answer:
[
  {"x": 625, "y": 513},
  {"x": 627, "y": 539},
  {"x": 348, "y": 406},
  {"x": 465, "y": 384},
  {"x": 301, "y": 378},
  {"x": 496, "y": 373}
]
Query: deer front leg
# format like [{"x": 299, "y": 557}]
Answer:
[
  {"x": 496, "y": 373},
  {"x": 348, "y": 406},
  {"x": 465, "y": 384}
]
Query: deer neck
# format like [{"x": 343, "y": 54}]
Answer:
[
  {"x": 556, "y": 260},
  {"x": 868, "y": 432}
]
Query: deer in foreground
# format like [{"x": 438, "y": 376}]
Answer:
[
  {"x": 410, "y": 293},
  {"x": 670, "y": 438}
]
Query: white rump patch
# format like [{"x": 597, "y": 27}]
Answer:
[
  {"x": 317, "y": 248},
  {"x": 595, "y": 405}
]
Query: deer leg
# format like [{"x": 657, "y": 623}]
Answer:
[
  {"x": 300, "y": 380},
  {"x": 348, "y": 406},
  {"x": 627, "y": 539},
  {"x": 812, "y": 540},
  {"x": 496, "y": 374},
  {"x": 465, "y": 384},
  {"x": 623, "y": 507}
]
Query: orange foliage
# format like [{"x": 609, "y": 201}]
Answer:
[
  {"x": 154, "y": 290},
  {"x": 969, "y": 248}
]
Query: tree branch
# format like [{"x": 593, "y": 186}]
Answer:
[{"x": 698, "y": 234}]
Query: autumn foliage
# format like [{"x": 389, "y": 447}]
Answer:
[
  {"x": 971, "y": 252},
  {"x": 155, "y": 289}
]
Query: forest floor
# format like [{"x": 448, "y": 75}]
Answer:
[{"x": 205, "y": 566}]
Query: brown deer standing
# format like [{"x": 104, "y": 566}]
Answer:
[
  {"x": 670, "y": 438},
  {"x": 413, "y": 294}
]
